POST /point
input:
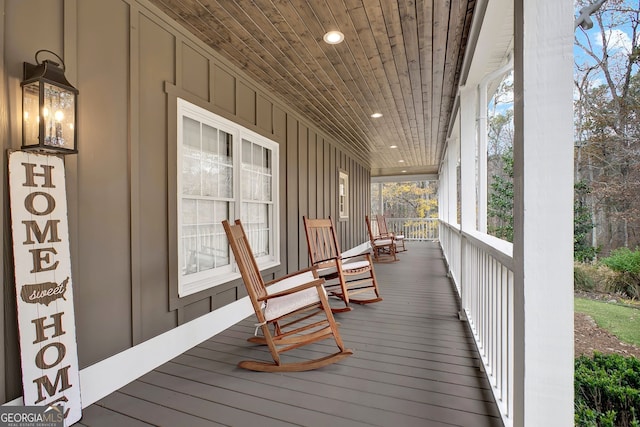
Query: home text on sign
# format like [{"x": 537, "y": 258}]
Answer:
[{"x": 46, "y": 317}]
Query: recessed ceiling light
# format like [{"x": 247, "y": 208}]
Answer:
[
  {"x": 400, "y": 161},
  {"x": 393, "y": 146},
  {"x": 376, "y": 115},
  {"x": 333, "y": 37},
  {"x": 404, "y": 171}
]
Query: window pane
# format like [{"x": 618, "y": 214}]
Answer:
[
  {"x": 211, "y": 249},
  {"x": 210, "y": 141},
  {"x": 255, "y": 218},
  {"x": 210, "y": 178},
  {"x": 189, "y": 237},
  {"x": 257, "y": 158},
  {"x": 267, "y": 161},
  {"x": 191, "y": 173},
  {"x": 191, "y": 133},
  {"x": 204, "y": 245},
  {"x": 209, "y": 167},
  {"x": 246, "y": 155},
  {"x": 225, "y": 181},
  {"x": 247, "y": 171},
  {"x": 266, "y": 189},
  {"x": 267, "y": 181},
  {"x": 191, "y": 178},
  {"x": 189, "y": 212},
  {"x": 256, "y": 172},
  {"x": 225, "y": 148}
]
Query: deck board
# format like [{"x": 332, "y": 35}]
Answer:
[{"x": 414, "y": 364}]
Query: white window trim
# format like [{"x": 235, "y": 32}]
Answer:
[{"x": 207, "y": 279}]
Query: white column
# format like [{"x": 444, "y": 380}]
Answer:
[
  {"x": 468, "y": 158},
  {"x": 442, "y": 185},
  {"x": 452, "y": 165},
  {"x": 543, "y": 214}
]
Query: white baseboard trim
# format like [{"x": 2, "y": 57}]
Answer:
[
  {"x": 105, "y": 377},
  {"x": 360, "y": 249}
]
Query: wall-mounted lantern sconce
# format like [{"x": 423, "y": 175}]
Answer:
[{"x": 49, "y": 108}]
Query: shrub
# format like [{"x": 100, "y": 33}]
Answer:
[
  {"x": 592, "y": 277},
  {"x": 583, "y": 277},
  {"x": 626, "y": 264},
  {"x": 607, "y": 391}
]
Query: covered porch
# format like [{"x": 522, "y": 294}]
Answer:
[
  {"x": 466, "y": 334},
  {"x": 414, "y": 364}
]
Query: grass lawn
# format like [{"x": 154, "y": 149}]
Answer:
[{"x": 623, "y": 322}]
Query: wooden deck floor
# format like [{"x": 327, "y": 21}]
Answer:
[{"x": 414, "y": 365}]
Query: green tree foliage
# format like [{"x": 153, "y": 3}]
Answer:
[
  {"x": 500, "y": 160},
  {"x": 500, "y": 209}
]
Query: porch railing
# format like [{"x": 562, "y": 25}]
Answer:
[
  {"x": 413, "y": 228},
  {"x": 481, "y": 267}
]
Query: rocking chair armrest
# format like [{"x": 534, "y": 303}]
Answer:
[
  {"x": 313, "y": 283},
  {"x": 321, "y": 261},
  {"x": 349, "y": 257},
  {"x": 295, "y": 273}
]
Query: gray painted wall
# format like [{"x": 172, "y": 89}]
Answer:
[{"x": 130, "y": 62}]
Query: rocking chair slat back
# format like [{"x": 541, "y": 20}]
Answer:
[
  {"x": 355, "y": 274},
  {"x": 322, "y": 241},
  {"x": 244, "y": 257}
]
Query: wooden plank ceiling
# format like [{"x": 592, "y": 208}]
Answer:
[{"x": 401, "y": 58}]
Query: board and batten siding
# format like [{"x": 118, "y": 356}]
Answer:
[{"x": 130, "y": 62}]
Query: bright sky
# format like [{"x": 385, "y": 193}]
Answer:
[{"x": 617, "y": 31}]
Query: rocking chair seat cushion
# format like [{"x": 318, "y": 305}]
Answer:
[
  {"x": 383, "y": 242},
  {"x": 280, "y": 306},
  {"x": 347, "y": 266}
]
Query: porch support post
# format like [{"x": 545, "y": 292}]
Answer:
[
  {"x": 442, "y": 186},
  {"x": 452, "y": 188},
  {"x": 468, "y": 154},
  {"x": 468, "y": 196},
  {"x": 543, "y": 214}
]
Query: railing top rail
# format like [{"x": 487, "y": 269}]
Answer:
[
  {"x": 454, "y": 227},
  {"x": 411, "y": 219},
  {"x": 497, "y": 248}
]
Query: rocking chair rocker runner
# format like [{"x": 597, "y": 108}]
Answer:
[
  {"x": 354, "y": 274},
  {"x": 283, "y": 308},
  {"x": 384, "y": 233},
  {"x": 384, "y": 248}
]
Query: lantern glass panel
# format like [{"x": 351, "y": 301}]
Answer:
[
  {"x": 30, "y": 114},
  {"x": 58, "y": 112}
]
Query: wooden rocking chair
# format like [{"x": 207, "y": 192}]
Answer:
[
  {"x": 384, "y": 232},
  {"x": 354, "y": 274},
  {"x": 384, "y": 248},
  {"x": 280, "y": 306}
]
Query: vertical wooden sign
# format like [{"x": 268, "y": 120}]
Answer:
[{"x": 50, "y": 374}]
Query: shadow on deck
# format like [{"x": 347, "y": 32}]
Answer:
[{"x": 414, "y": 364}]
